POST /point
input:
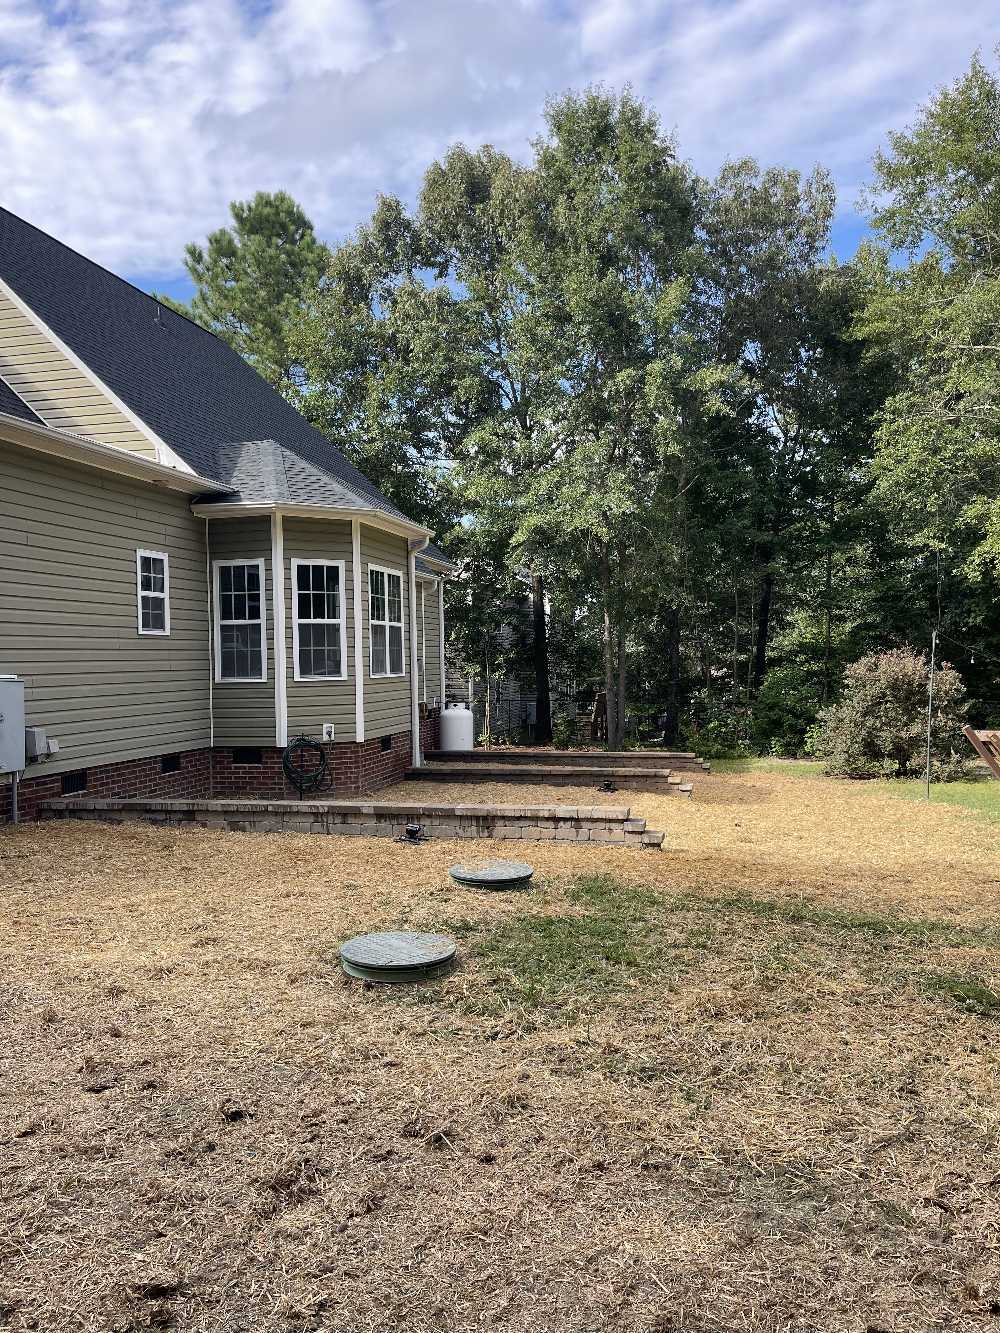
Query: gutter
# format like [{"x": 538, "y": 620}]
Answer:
[
  {"x": 107, "y": 457},
  {"x": 373, "y": 517}
]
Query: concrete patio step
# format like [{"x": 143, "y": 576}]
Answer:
[
  {"x": 553, "y": 775},
  {"x": 675, "y": 760}
]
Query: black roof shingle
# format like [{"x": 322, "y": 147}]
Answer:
[
  {"x": 189, "y": 387},
  {"x": 13, "y": 406}
]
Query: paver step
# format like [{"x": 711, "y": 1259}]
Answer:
[
  {"x": 634, "y": 779},
  {"x": 672, "y": 759}
]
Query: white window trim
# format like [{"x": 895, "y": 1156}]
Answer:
[
  {"x": 139, "y": 594},
  {"x": 217, "y": 625},
  {"x": 340, "y": 623},
  {"x": 387, "y": 674}
]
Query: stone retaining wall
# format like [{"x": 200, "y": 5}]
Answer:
[{"x": 374, "y": 819}]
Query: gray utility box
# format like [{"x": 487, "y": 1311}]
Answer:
[{"x": 11, "y": 724}]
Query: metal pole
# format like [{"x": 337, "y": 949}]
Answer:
[
  {"x": 930, "y": 709},
  {"x": 13, "y": 797}
]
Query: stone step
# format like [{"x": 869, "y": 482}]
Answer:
[
  {"x": 633, "y": 779},
  {"x": 673, "y": 759}
]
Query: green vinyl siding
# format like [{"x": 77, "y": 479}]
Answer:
[
  {"x": 387, "y": 699},
  {"x": 243, "y": 711},
  {"x": 68, "y": 541},
  {"x": 429, "y": 611},
  {"x": 313, "y": 702}
]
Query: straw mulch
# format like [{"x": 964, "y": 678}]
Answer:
[{"x": 743, "y": 1123}]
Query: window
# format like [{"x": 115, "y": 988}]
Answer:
[
  {"x": 318, "y": 644},
  {"x": 170, "y": 763},
  {"x": 240, "y": 654},
  {"x": 152, "y": 580},
  {"x": 70, "y": 783},
  {"x": 385, "y": 615}
]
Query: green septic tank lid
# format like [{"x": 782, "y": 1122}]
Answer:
[
  {"x": 493, "y": 875},
  {"x": 397, "y": 955}
]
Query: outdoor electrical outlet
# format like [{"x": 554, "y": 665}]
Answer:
[{"x": 328, "y": 731}]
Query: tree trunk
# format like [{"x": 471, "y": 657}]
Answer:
[
  {"x": 620, "y": 691},
  {"x": 763, "y": 628},
  {"x": 672, "y": 713},
  {"x": 828, "y": 600},
  {"x": 609, "y": 657},
  {"x": 543, "y": 703}
]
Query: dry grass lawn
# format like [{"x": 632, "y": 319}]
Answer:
[{"x": 749, "y": 1083}]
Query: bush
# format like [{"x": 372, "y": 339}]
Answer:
[
  {"x": 563, "y": 731},
  {"x": 784, "y": 711},
  {"x": 717, "y": 729},
  {"x": 878, "y": 728}
]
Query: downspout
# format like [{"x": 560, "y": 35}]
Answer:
[
  {"x": 411, "y": 569},
  {"x": 441, "y": 638},
  {"x": 278, "y": 621},
  {"x": 211, "y": 639}
]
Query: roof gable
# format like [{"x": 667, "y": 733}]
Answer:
[{"x": 186, "y": 385}]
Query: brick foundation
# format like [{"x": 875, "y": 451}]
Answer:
[
  {"x": 131, "y": 779},
  {"x": 355, "y": 770}
]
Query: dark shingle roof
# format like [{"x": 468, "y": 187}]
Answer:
[
  {"x": 435, "y": 554},
  {"x": 187, "y": 385},
  {"x": 10, "y": 403}
]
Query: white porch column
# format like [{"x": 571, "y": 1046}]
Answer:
[
  {"x": 411, "y": 567},
  {"x": 278, "y": 621},
  {"x": 359, "y": 638}
]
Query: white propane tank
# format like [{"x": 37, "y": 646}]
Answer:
[{"x": 457, "y": 728}]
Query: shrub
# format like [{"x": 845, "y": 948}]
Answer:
[
  {"x": 563, "y": 731},
  {"x": 717, "y": 729},
  {"x": 784, "y": 710},
  {"x": 878, "y": 727}
]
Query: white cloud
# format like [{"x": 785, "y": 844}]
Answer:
[{"x": 126, "y": 126}]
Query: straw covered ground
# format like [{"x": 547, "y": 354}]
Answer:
[{"x": 749, "y": 1083}]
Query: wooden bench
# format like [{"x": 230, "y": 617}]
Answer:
[{"x": 987, "y": 745}]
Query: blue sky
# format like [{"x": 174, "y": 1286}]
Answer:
[{"x": 126, "y": 126}]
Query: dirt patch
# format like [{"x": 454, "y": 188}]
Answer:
[{"x": 747, "y": 1084}]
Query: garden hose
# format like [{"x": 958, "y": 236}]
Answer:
[{"x": 303, "y": 779}]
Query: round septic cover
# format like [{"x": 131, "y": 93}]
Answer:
[
  {"x": 493, "y": 874},
  {"x": 397, "y": 955}
]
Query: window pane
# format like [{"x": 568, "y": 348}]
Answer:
[
  {"x": 252, "y": 576},
  {"x": 302, "y": 577},
  {"x": 378, "y": 650},
  {"x": 240, "y": 652},
  {"x": 153, "y": 613},
  {"x": 303, "y": 602},
  {"x": 319, "y": 650},
  {"x": 377, "y": 585},
  {"x": 252, "y": 606},
  {"x": 225, "y": 578},
  {"x": 395, "y": 650},
  {"x": 395, "y": 598}
]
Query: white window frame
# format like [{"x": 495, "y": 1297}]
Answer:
[
  {"x": 217, "y": 623},
  {"x": 341, "y": 622},
  {"x": 165, "y": 594},
  {"x": 387, "y": 674}
]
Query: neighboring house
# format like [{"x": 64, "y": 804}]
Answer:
[{"x": 190, "y": 573}]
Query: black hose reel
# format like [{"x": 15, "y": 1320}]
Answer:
[{"x": 306, "y": 766}]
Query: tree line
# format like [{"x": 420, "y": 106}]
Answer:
[{"x": 719, "y": 465}]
